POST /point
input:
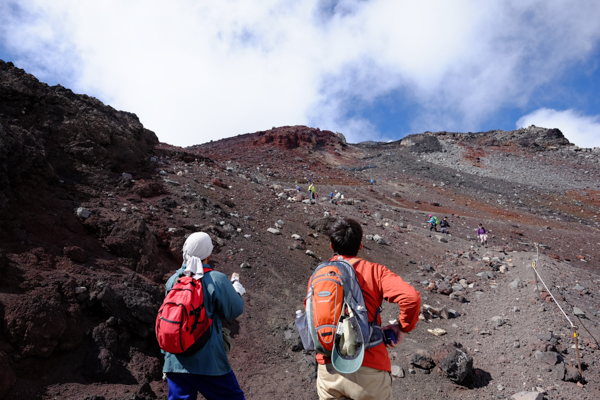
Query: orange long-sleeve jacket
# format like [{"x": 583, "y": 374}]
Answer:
[{"x": 378, "y": 283}]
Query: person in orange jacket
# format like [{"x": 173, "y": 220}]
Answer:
[{"x": 373, "y": 379}]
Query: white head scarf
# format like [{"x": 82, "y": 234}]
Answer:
[{"x": 196, "y": 248}]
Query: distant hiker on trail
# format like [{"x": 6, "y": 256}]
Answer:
[
  {"x": 313, "y": 192},
  {"x": 433, "y": 223},
  {"x": 370, "y": 363},
  {"x": 444, "y": 224},
  {"x": 335, "y": 199},
  {"x": 206, "y": 371},
  {"x": 482, "y": 234}
]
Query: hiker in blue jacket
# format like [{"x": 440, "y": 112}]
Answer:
[
  {"x": 432, "y": 223},
  {"x": 206, "y": 371}
]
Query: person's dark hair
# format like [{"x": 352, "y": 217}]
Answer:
[
  {"x": 480, "y": 225},
  {"x": 345, "y": 236}
]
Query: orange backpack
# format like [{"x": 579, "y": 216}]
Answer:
[{"x": 333, "y": 291}]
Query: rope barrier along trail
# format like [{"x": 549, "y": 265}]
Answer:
[{"x": 574, "y": 327}]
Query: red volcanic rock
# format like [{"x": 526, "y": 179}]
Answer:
[
  {"x": 75, "y": 253},
  {"x": 149, "y": 189},
  {"x": 292, "y": 137},
  {"x": 217, "y": 182}
]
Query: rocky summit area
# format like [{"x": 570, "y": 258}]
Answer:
[{"x": 94, "y": 211}]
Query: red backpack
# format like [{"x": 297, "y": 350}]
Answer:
[{"x": 182, "y": 326}]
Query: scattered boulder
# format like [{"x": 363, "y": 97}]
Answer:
[
  {"x": 427, "y": 268},
  {"x": 422, "y": 359},
  {"x": 547, "y": 357},
  {"x": 578, "y": 312},
  {"x": 144, "y": 368},
  {"x": 516, "y": 284},
  {"x": 219, "y": 183},
  {"x": 487, "y": 274},
  {"x": 441, "y": 239},
  {"x": 292, "y": 338},
  {"x": 572, "y": 373},
  {"x": 579, "y": 288},
  {"x": 497, "y": 321},
  {"x": 455, "y": 363},
  {"x": 397, "y": 371},
  {"x": 323, "y": 224},
  {"x": 274, "y": 231},
  {"x": 75, "y": 253},
  {"x": 567, "y": 372},
  {"x": 149, "y": 189},
  {"x": 445, "y": 288},
  {"x": 458, "y": 297},
  {"x": 379, "y": 240},
  {"x": 457, "y": 287},
  {"x": 528, "y": 396},
  {"x": 83, "y": 212}
]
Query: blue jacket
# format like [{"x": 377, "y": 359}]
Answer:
[{"x": 221, "y": 301}]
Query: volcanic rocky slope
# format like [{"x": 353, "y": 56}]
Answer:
[{"x": 95, "y": 211}]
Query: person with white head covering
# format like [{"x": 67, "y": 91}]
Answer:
[{"x": 207, "y": 371}]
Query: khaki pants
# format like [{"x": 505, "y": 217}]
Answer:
[{"x": 365, "y": 384}]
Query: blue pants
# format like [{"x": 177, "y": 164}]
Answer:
[{"x": 187, "y": 386}]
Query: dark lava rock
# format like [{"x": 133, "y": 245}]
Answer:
[
  {"x": 41, "y": 322},
  {"x": 135, "y": 304},
  {"x": 422, "y": 359},
  {"x": 143, "y": 367},
  {"x": 567, "y": 372},
  {"x": 445, "y": 288},
  {"x": 219, "y": 183},
  {"x": 75, "y": 253},
  {"x": 149, "y": 189},
  {"x": 37, "y": 144},
  {"x": 322, "y": 225},
  {"x": 100, "y": 363},
  {"x": 456, "y": 364},
  {"x": 7, "y": 377},
  {"x": 422, "y": 143},
  {"x": 132, "y": 238},
  {"x": 547, "y": 357}
]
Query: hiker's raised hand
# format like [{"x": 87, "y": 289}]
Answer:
[{"x": 399, "y": 335}]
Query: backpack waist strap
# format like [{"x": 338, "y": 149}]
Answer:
[{"x": 375, "y": 332}]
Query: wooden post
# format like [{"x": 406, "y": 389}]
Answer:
[
  {"x": 537, "y": 289},
  {"x": 577, "y": 348}
]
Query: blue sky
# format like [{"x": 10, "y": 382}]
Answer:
[{"x": 195, "y": 71}]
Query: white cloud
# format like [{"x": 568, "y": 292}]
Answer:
[
  {"x": 195, "y": 71},
  {"x": 581, "y": 130}
]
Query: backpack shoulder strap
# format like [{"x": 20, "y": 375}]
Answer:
[{"x": 353, "y": 261}]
